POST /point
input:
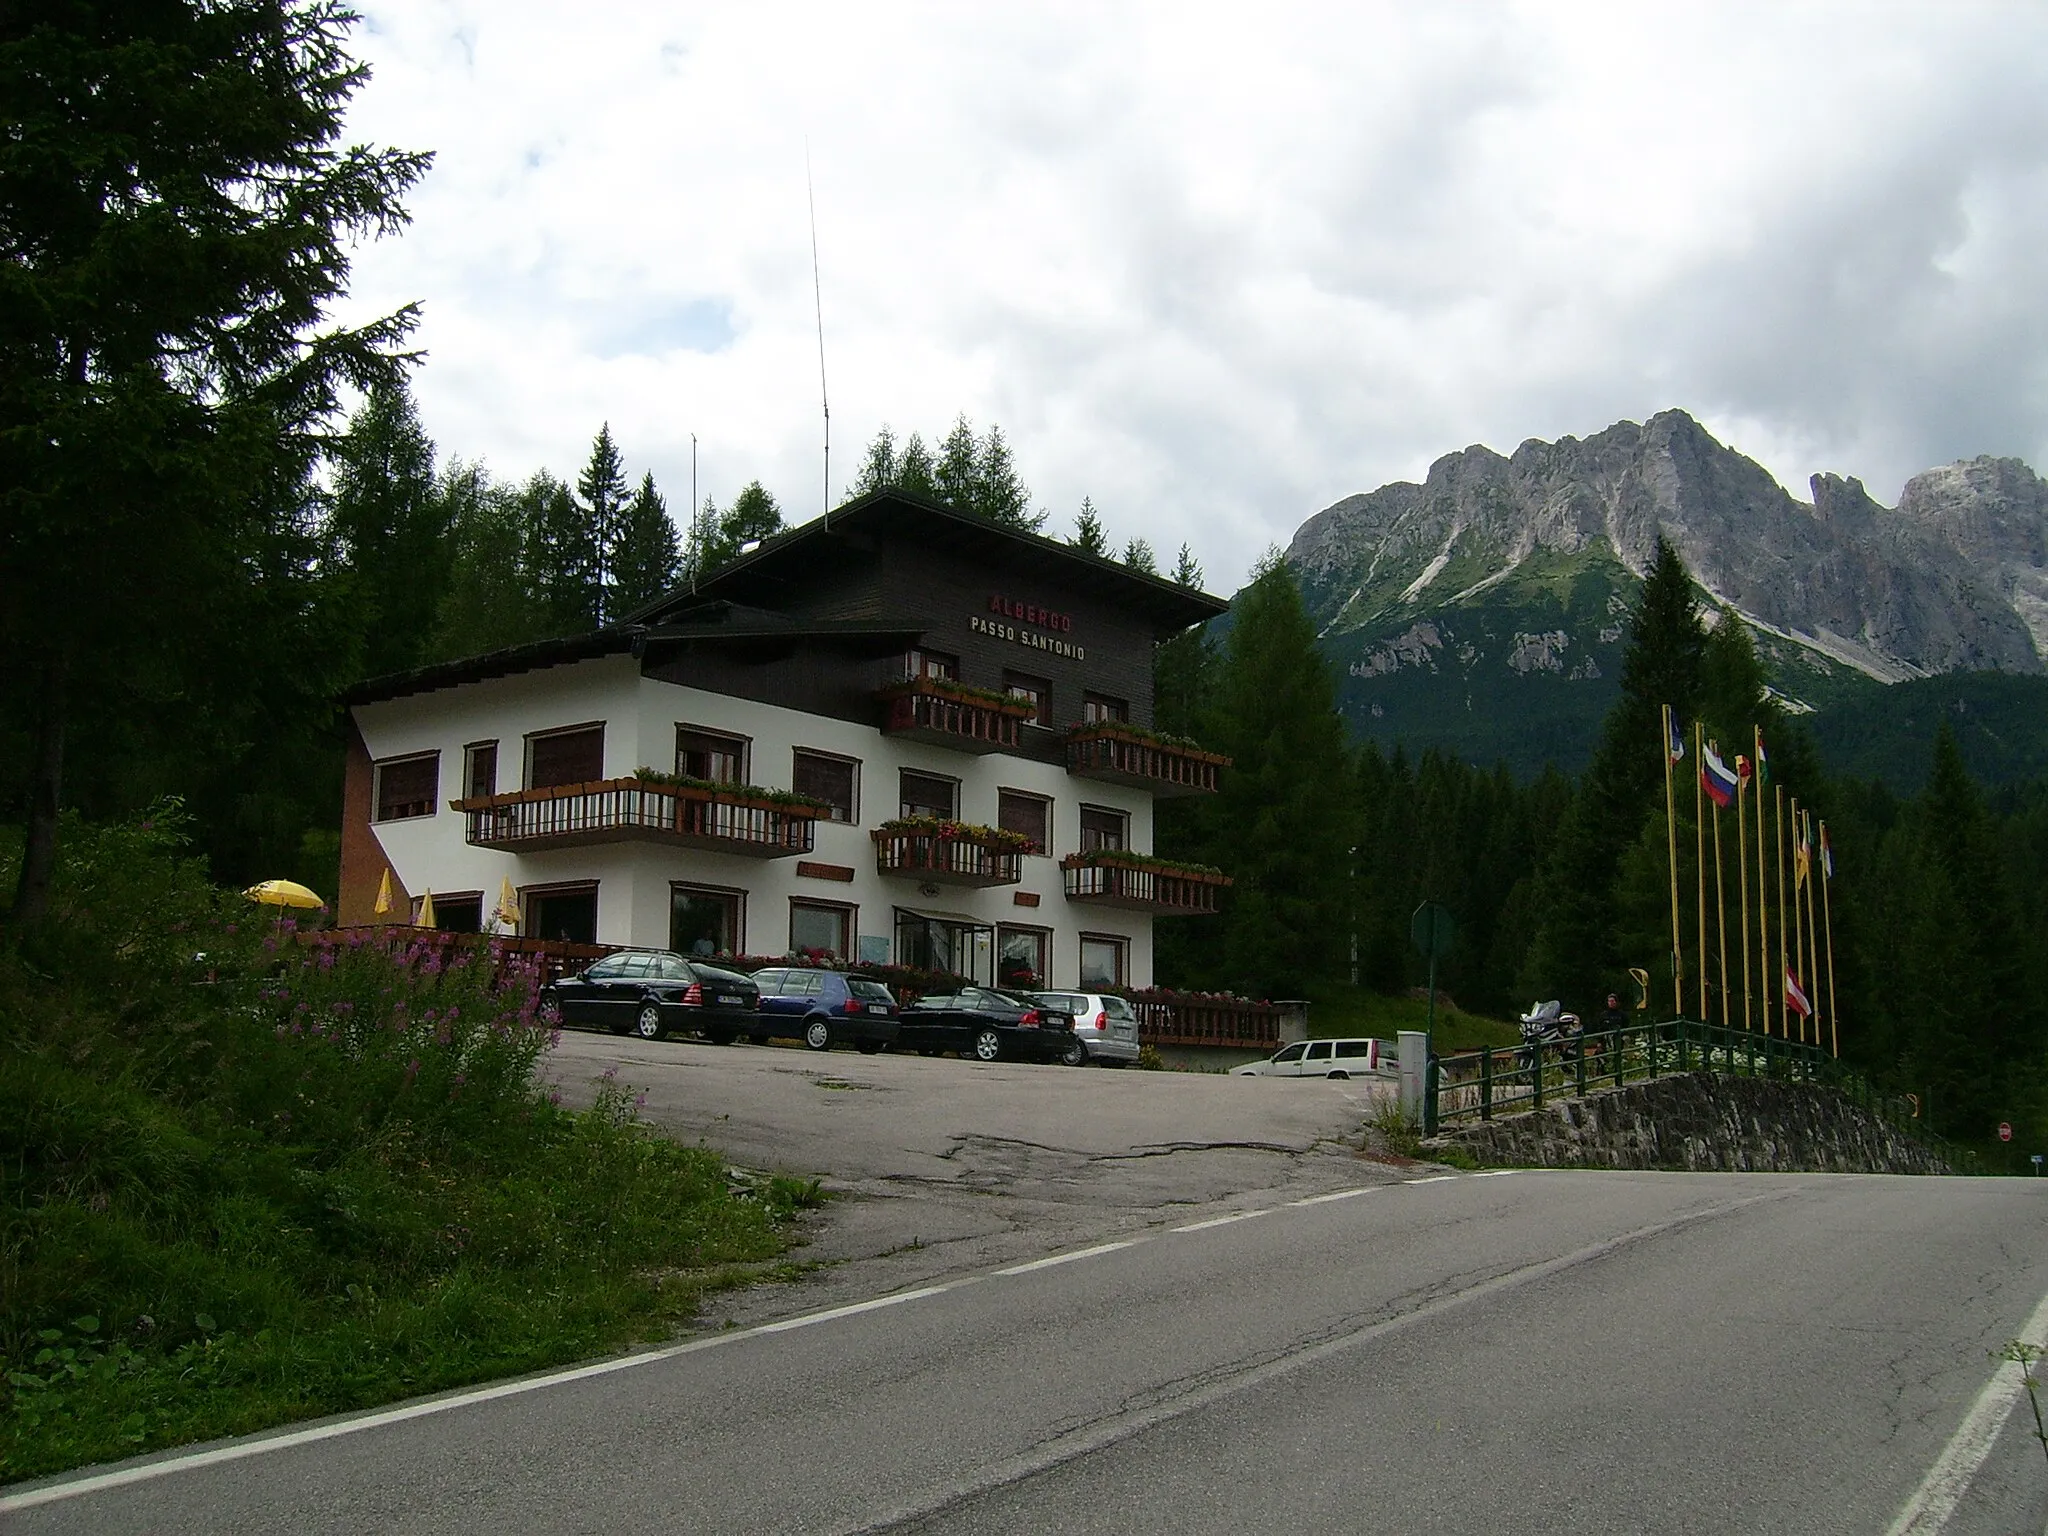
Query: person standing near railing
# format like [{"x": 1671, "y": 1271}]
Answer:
[{"x": 1613, "y": 1019}]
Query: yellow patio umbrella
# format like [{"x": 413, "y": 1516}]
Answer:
[
  {"x": 427, "y": 909},
  {"x": 383, "y": 894},
  {"x": 508, "y": 906},
  {"x": 284, "y": 893}
]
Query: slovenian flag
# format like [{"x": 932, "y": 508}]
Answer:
[
  {"x": 1795, "y": 995},
  {"x": 1675, "y": 747},
  {"x": 1716, "y": 778},
  {"x": 1827, "y": 853}
]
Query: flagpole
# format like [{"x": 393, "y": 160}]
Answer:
[
  {"x": 1742, "y": 879},
  {"x": 1784, "y": 964},
  {"x": 1721, "y": 916},
  {"x": 1812, "y": 927},
  {"x": 1827, "y": 878},
  {"x": 1798, "y": 925},
  {"x": 1699, "y": 830},
  {"x": 1671, "y": 851},
  {"x": 1763, "y": 905}
]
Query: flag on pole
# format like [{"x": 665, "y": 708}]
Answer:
[
  {"x": 1743, "y": 771},
  {"x": 1763, "y": 763},
  {"x": 1795, "y": 995},
  {"x": 1716, "y": 778},
  {"x": 1675, "y": 747},
  {"x": 1827, "y": 853},
  {"x": 1802, "y": 854},
  {"x": 383, "y": 895}
]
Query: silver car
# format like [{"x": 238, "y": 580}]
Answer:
[{"x": 1105, "y": 1025}]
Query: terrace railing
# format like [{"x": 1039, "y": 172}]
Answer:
[
  {"x": 1110, "y": 879},
  {"x": 945, "y": 714},
  {"x": 1119, "y": 754},
  {"x": 1168, "y": 1017},
  {"x": 954, "y": 858},
  {"x": 716, "y": 819}
]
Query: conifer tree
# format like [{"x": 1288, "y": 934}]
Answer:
[
  {"x": 878, "y": 464},
  {"x": 489, "y": 604},
  {"x": 1187, "y": 570},
  {"x": 645, "y": 557},
  {"x": 999, "y": 495},
  {"x": 601, "y": 491},
  {"x": 915, "y": 471},
  {"x": 753, "y": 516},
  {"x": 957, "y": 474},
  {"x": 1139, "y": 557},
  {"x": 1089, "y": 536},
  {"x": 559, "y": 557},
  {"x": 391, "y": 524}
]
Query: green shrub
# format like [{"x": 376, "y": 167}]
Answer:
[{"x": 244, "y": 1179}]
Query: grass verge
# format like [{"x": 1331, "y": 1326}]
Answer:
[{"x": 240, "y": 1185}]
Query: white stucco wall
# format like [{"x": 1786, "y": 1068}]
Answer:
[{"x": 641, "y": 715}]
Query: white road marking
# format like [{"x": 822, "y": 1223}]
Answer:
[
  {"x": 1067, "y": 1258},
  {"x": 1935, "y": 1500},
  {"x": 1440, "y": 1178},
  {"x": 848, "y": 1311},
  {"x": 1342, "y": 1194},
  {"x": 1219, "y": 1221},
  {"x": 1494, "y": 1173}
]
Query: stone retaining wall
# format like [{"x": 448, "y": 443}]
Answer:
[{"x": 1702, "y": 1123}]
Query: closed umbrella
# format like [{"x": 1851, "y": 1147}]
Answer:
[{"x": 284, "y": 893}]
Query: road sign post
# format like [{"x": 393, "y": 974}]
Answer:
[{"x": 1431, "y": 929}]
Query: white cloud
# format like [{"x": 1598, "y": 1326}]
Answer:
[{"x": 1213, "y": 267}]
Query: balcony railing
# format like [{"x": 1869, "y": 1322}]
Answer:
[
  {"x": 1109, "y": 879},
  {"x": 1119, "y": 754},
  {"x": 716, "y": 819},
  {"x": 954, "y": 855},
  {"x": 1167, "y": 1017},
  {"x": 946, "y": 714}
]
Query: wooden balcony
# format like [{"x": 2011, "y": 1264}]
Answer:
[
  {"x": 944, "y": 714},
  {"x": 1119, "y": 754},
  {"x": 715, "y": 819},
  {"x": 1138, "y": 884},
  {"x": 956, "y": 857}
]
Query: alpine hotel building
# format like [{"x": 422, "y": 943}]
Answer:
[{"x": 897, "y": 734}]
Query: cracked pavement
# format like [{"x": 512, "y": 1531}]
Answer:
[{"x": 942, "y": 1167}]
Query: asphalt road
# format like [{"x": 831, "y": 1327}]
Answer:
[{"x": 1531, "y": 1353}]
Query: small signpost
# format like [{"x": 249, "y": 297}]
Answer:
[
  {"x": 2005, "y": 1130},
  {"x": 2037, "y": 1165},
  {"x": 1432, "y": 930}
]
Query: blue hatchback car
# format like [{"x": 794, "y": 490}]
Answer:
[{"x": 825, "y": 1008}]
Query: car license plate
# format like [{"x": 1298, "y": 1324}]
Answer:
[
  {"x": 878, "y": 1007},
  {"x": 730, "y": 1001}
]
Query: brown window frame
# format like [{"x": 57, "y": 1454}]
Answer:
[
  {"x": 1044, "y": 936},
  {"x": 533, "y": 737},
  {"x": 852, "y": 807},
  {"x": 527, "y": 893},
  {"x": 1122, "y": 944},
  {"x": 1104, "y": 708},
  {"x": 848, "y": 914},
  {"x": 1022, "y": 685},
  {"x": 430, "y": 806},
  {"x": 1082, "y": 829},
  {"x": 1044, "y": 802},
  {"x": 744, "y": 755},
  {"x": 903, "y": 807},
  {"x": 736, "y": 894},
  {"x": 472, "y": 753},
  {"x": 920, "y": 662}
]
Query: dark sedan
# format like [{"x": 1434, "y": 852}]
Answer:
[
  {"x": 649, "y": 993},
  {"x": 989, "y": 1026}
]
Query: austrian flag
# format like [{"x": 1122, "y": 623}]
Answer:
[
  {"x": 1795, "y": 995},
  {"x": 1716, "y": 778}
]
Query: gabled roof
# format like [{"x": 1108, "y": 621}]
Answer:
[
  {"x": 531, "y": 657},
  {"x": 813, "y": 551}
]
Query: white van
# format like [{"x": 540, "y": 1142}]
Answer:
[{"x": 1324, "y": 1058}]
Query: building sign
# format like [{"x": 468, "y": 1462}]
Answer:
[
  {"x": 1030, "y": 613},
  {"x": 1030, "y": 639}
]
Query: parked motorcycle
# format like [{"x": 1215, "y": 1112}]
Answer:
[{"x": 1548, "y": 1025}]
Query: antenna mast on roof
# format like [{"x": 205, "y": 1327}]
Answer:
[{"x": 818, "y": 298}]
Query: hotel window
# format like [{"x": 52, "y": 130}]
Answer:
[
  {"x": 480, "y": 769},
  {"x": 704, "y": 921},
  {"x": 1028, "y": 814},
  {"x": 1021, "y": 957},
  {"x": 710, "y": 756},
  {"x": 564, "y": 912},
  {"x": 1097, "y": 707},
  {"x": 408, "y": 786},
  {"x": 1104, "y": 830},
  {"x": 1103, "y": 958},
  {"x": 820, "y": 926},
  {"x": 565, "y": 757},
  {"x": 1036, "y": 690},
  {"x": 921, "y": 663},
  {"x": 834, "y": 780},
  {"x": 925, "y": 794},
  {"x": 459, "y": 914}
]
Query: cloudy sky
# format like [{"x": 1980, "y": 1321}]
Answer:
[{"x": 1217, "y": 267}]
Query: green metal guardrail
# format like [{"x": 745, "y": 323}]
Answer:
[{"x": 1478, "y": 1085}]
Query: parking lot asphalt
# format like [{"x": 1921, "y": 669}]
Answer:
[{"x": 940, "y": 1167}]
